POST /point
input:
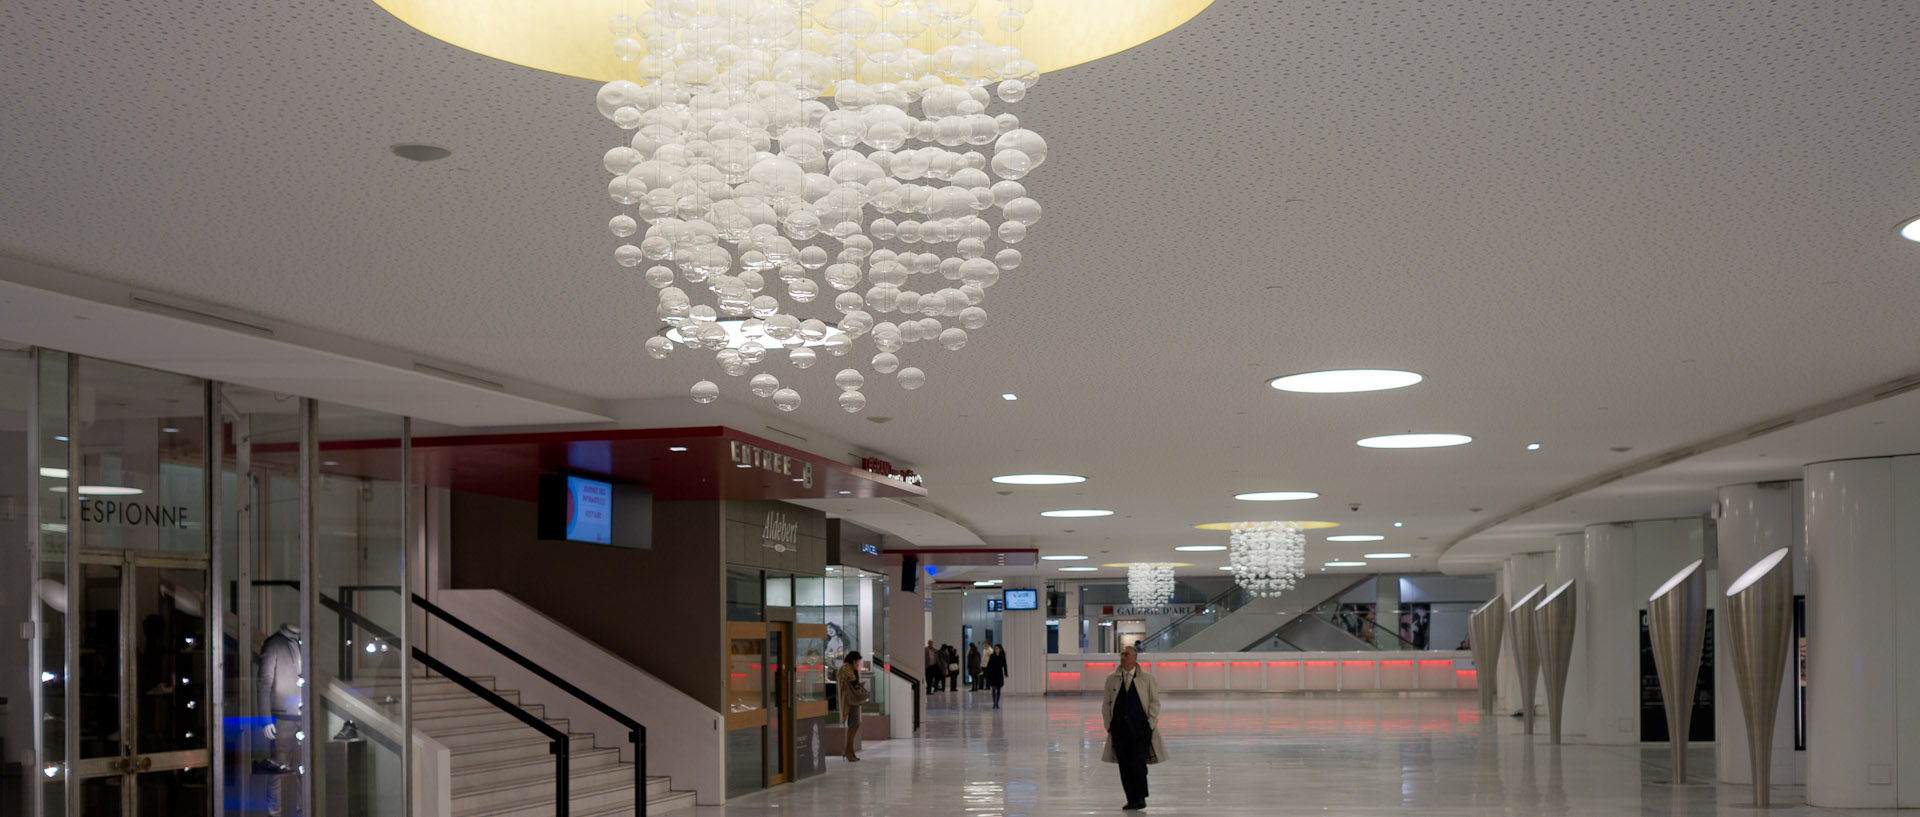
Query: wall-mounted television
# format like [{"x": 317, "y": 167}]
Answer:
[
  {"x": 596, "y": 512},
  {"x": 1022, "y": 599}
]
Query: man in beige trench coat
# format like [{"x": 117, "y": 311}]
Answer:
[{"x": 1132, "y": 715}]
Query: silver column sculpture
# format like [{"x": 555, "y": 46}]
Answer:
[
  {"x": 1553, "y": 621},
  {"x": 1677, "y": 626},
  {"x": 1759, "y": 622},
  {"x": 1526, "y": 653},
  {"x": 1488, "y": 625}
]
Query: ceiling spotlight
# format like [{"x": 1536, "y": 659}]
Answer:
[
  {"x": 1276, "y": 496},
  {"x": 1910, "y": 229},
  {"x": 1062, "y": 558},
  {"x": 169, "y": 430},
  {"x": 1078, "y": 569},
  {"x": 1009, "y": 397},
  {"x": 1357, "y": 537},
  {"x": 1039, "y": 479},
  {"x": 1345, "y": 381},
  {"x": 1389, "y": 556},
  {"x": 1200, "y": 548},
  {"x": 1415, "y": 441},
  {"x": 1399, "y": 524},
  {"x": 1533, "y": 446},
  {"x": 54, "y": 473},
  {"x": 844, "y": 493},
  {"x": 1077, "y": 513},
  {"x": 1226, "y": 567},
  {"x": 1346, "y": 564},
  {"x": 676, "y": 448}
]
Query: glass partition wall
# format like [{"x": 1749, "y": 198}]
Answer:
[{"x": 216, "y": 595}]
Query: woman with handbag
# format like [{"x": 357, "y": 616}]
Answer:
[
  {"x": 853, "y": 694},
  {"x": 996, "y": 672}
]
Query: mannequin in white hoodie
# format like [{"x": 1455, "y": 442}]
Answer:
[{"x": 278, "y": 688}]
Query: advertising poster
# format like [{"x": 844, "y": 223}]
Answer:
[
  {"x": 1653, "y": 710},
  {"x": 589, "y": 511}
]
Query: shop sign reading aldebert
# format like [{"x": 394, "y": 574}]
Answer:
[
  {"x": 782, "y": 464},
  {"x": 780, "y": 534}
]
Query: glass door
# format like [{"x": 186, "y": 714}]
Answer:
[
  {"x": 779, "y": 703},
  {"x": 142, "y": 675}
]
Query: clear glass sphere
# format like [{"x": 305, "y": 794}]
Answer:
[
  {"x": 802, "y": 357},
  {"x": 856, "y": 323},
  {"x": 659, "y": 277},
  {"x": 911, "y": 378},
  {"x": 628, "y": 49},
  {"x": 886, "y": 362},
  {"x": 783, "y": 327},
  {"x": 763, "y": 306},
  {"x": 1011, "y": 90},
  {"x": 852, "y": 401},
  {"x": 843, "y": 276},
  {"x": 705, "y": 392},
  {"x": 849, "y": 379},
  {"x": 1012, "y": 232},
  {"x": 712, "y": 336},
  {"x": 953, "y": 338},
  {"x": 910, "y": 331},
  {"x": 1011, "y": 164},
  {"x": 838, "y": 344},
  {"x": 786, "y": 399},
  {"x": 623, "y": 225},
  {"x": 1011, "y": 20},
  {"x": 803, "y": 290},
  {"x": 658, "y": 347},
  {"x": 1007, "y": 259},
  {"x": 764, "y": 385},
  {"x": 628, "y": 255},
  {"x": 813, "y": 329},
  {"x": 752, "y": 352},
  {"x": 847, "y": 302},
  {"x": 973, "y": 317},
  {"x": 1024, "y": 211}
]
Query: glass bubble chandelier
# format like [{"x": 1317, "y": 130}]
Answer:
[
  {"x": 1267, "y": 557},
  {"x": 799, "y": 178},
  {"x": 1149, "y": 584}
]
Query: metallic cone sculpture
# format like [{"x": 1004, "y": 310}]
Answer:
[
  {"x": 1553, "y": 620},
  {"x": 1526, "y": 652},
  {"x": 1488, "y": 625},
  {"x": 1677, "y": 625},
  {"x": 1759, "y": 617}
]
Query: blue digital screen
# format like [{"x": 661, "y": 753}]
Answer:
[
  {"x": 1023, "y": 599},
  {"x": 589, "y": 511}
]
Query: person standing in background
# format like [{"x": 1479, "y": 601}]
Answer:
[
  {"x": 953, "y": 668},
  {"x": 934, "y": 669},
  {"x": 1132, "y": 715},
  {"x": 852, "y": 695},
  {"x": 973, "y": 668},
  {"x": 996, "y": 672}
]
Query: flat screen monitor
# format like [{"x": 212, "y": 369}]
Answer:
[
  {"x": 595, "y": 512},
  {"x": 1022, "y": 599}
]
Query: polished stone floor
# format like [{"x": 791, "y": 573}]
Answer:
[{"x": 1252, "y": 755}]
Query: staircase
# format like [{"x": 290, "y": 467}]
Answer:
[{"x": 502, "y": 768}]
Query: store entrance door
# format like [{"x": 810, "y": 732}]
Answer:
[
  {"x": 141, "y": 670},
  {"x": 779, "y": 703}
]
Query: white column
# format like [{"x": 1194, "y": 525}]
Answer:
[
  {"x": 907, "y": 631},
  {"x": 1026, "y": 644},
  {"x": 1070, "y": 621},
  {"x": 1757, "y": 519},
  {"x": 1570, "y": 562},
  {"x": 947, "y": 617},
  {"x": 1863, "y": 654},
  {"x": 1625, "y": 563}
]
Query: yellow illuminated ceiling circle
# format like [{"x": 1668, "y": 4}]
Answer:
[
  {"x": 1229, "y": 525},
  {"x": 570, "y": 36}
]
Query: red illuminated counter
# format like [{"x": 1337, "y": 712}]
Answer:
[{"x": 1273, "y": 671}]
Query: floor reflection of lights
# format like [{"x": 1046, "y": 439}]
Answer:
[{"x": 1235, "y": 755}]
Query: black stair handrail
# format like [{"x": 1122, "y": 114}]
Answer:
[
  {"x": 908, "y": 677},
  {"x": 636, "y": 731},
  {"x": 559, "y": 744}
]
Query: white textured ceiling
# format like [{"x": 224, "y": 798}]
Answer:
[{"x": 1590, "y": 223}]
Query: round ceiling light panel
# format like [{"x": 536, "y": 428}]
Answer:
[
  {"x": 1200, "y": 548},
  {"x": 1389, "y": 555},
  {"x": 1039, "y": 479},
  {"x": 1063, "y": 558},
  {"x": 1346, "y": 381},
  {"x": 1910, "y": 229},
  {"x": 1346, "y": 564},
  {"x": 1356, "y": 537},
  {"x": 1415, "y": 441},
  {"x": 1229, "y": 525},
  {"x": 1275, "y": 496},
  {"x": 1077, "y": 513}
]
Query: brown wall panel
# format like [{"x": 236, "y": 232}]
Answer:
[{"x": 659, "y": 609}]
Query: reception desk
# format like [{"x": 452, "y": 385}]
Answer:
[{"x": 1273, "y": 672}]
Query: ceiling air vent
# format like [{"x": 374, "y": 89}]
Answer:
[{"x": 458, "y": 377}]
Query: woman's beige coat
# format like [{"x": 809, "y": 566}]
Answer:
[{"x": 1149, "y": 690}]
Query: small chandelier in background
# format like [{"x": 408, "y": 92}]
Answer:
[
  {"x": 1267, "y": 557},
  {"x": 809, "y": 178},
  {"x": 1149, "y": 584}
]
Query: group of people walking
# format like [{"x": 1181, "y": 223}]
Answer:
[{"x": 985, "y": 670}]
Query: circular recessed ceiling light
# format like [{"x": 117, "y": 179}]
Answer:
[
  {"x": 1345, "y": 381},
  {"x": 1356, "y": 537},
  {"x": 1226, "y": 567},
  {"x": 1131, "y": 564},
  {"x": 1910, "y": 229},
  {"x": 1062, "y": 558},
  {"x": 1077, "y": 513},
  {"x": 1389, "y": 555},
  {"x": 1200, "y": 548},
  {"x": 421, "y": 153},
  {"x": 1415, "y": 441},
  {"x": 1039, "y": 479},
  {"x": 1229, "y": 525},
  {"x": 1078, "y": 569},
  {"x": 1346, "y": 564},
  {"x": 1276, "y": 496}
]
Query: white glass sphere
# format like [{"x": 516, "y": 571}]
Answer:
[
  {"x": 849, "y": 379},
  {"x": 802, "y": 357},
  {"x": 973, "y": 317},
  {"x": 705, "y": 392},
  {"x": 764, "y": 385},
  {"x": 658, "y": 347},
  {"x": 852, "y": 401},
  {"x": 911, "y": 378},
  {"x": 953, "y": 338},
  {"x": 752, "y": 352},
  {"x": 623, "y": 225},
  {"x": 786, "y": 399},
  {"x": 659, "y": 277},
  {"x": 838, "y": 344},
  {"x": 886, "y": 362}
]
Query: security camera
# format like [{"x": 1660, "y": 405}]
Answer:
[{"x": 1355, "y": 507}]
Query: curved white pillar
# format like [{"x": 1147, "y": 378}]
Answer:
[
  {"x": 1625, "y": 563},
  {"x": 1757, "y": 519},
  {"x": 1863, "y": 647},
  {"x": 1569, "y": 559}
]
